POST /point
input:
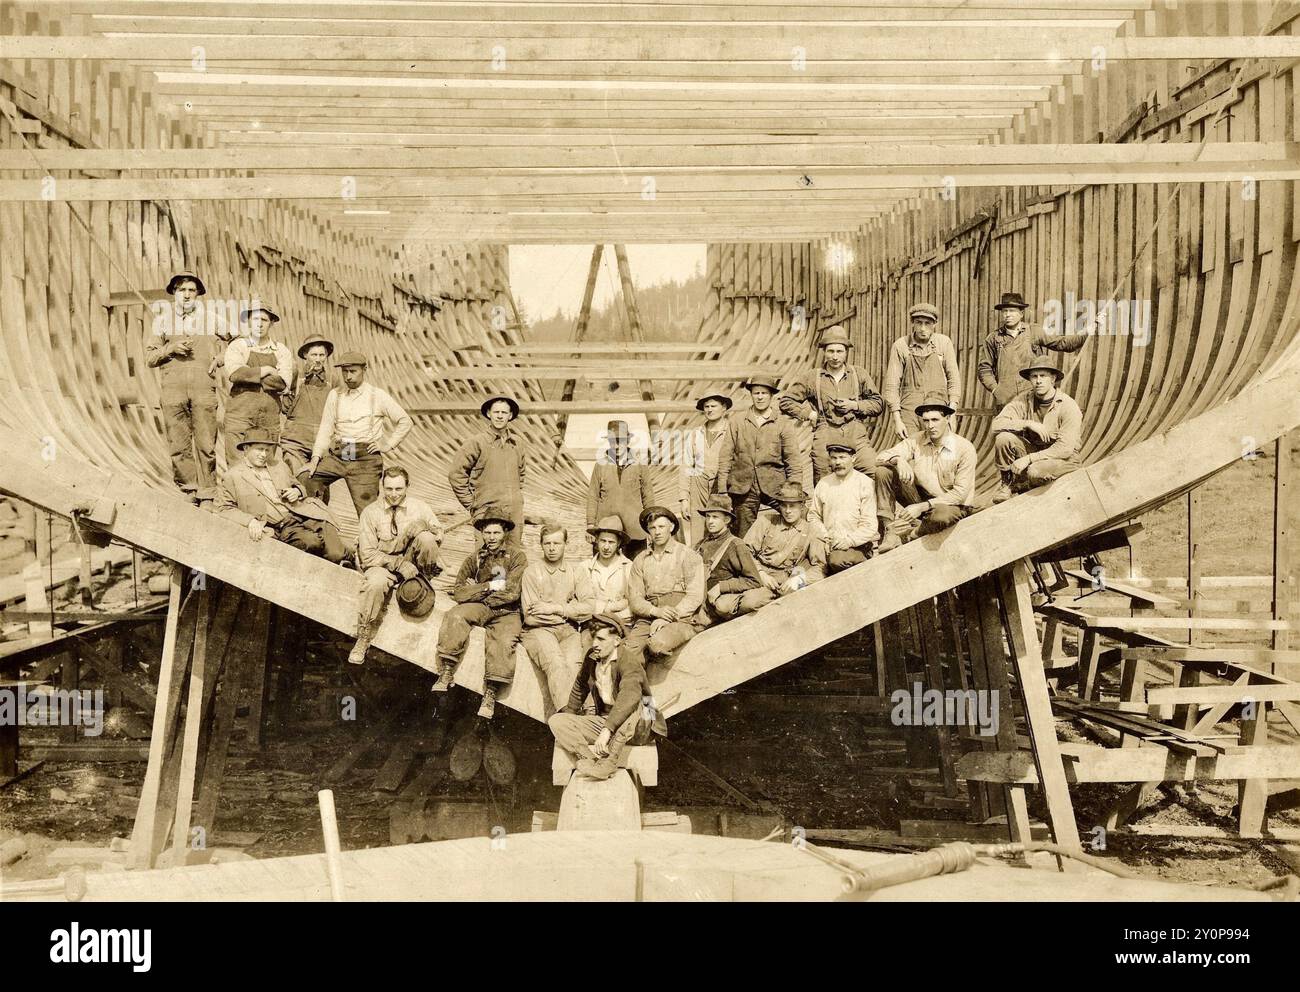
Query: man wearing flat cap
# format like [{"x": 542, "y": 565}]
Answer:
[
  {"x": 921, "y": 362},
  {"x": 729, "y": 567},
  {"x": 843, "y": 511},
  {"x": 487, "y": 474},
  {"x": 398, "y": 538},
  {"x": 1013, "y": 345},
  {"x": 701, "y": 451},
  {"x": 187, "y": 346},
  {"x": 759, "y": 454},
  {"x": 1037, "y": 435},
  {"x": 837, "y": 401},
  {"x": 487, "y": 591},
  {"x": 622, "y": 712},
  {"x": 620, "y": 486},
  {"x": 304, "y": 407},
  {"x": 260, "y": 370},
  {"x": 926, "y": 482},
  {"x": 666, "y": 589},
  {"x": 359, "y": 424},
  {"x": 259, "y": 492}
]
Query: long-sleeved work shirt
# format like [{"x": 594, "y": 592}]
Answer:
[
  {"x": 207, "y": 334},
  {"x": 609, "y": 584},
  {"x": 904, "y": 371},
  {"x": 564, "y": 584},
  {"x": 1060, "y": 415},
  {"x": 781, "y": 547},
  {"x": 821, "y": 387},
  {"x": 620, "y": 490},
  {"x": 945, "y": 472},
  {"x": 735, "y": 570},
  {"x": 306, "y": 408},
  {"x": 676, "y": 569},
  {"x": 759, "y": 449},
  {"x": 358, "y": 417},
  {"x": 488, "y": 473},
  {"x": 239, "y": 350},
  {"x": 384, "y": 531},
  {"x": 845, "y": 508},
  {"x": 477, "y": 572},
  {"x": 703, "y": 447},
  {"x": 622, "y": 676},
  {"x": 1004, "y": 354}
]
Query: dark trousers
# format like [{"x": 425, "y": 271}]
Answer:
[
  {"x": 891, "y": 490},
  {"x": 502, "y": 636},
  {"x": 317, "y": 537},
  {"x": 296, "y": 455},
  {"x": 246, "y": 411},
  {"x": 360, "y": 473},
  {"x": 190, "y": 418},
  {"x": 854, "y": 432},
  {"x": 838, "y": 561},
  {"x": 746, "y": 506}
]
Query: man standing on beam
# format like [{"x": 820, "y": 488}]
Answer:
[
  {"x": 840, "y": 398},
  {"x": 360, "y": 422},
  {"x": 921, "y": 362},
  {"x": 260, "y": 370},
  {"x": 305, "y": 407},
  {"x": 1013, "y": 346},
  {"x": 620, "y": 486},
  {"x": 759, "y": 454},
  {"x": 700, "y": 454},
  {"x": 487, "y": 475}
]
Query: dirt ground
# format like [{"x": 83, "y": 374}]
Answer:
[{"x": 819, "y": 771}]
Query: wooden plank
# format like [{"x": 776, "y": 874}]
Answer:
[
  {"x": 1146, "y": 764},
  {"x": 1285, "y": 586},
  {"x": 1224, "y": 694},
  {"x": 193, "y": 723}
]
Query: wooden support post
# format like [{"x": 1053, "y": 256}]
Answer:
[
  {"x": 1014, "y": 583},
  {"x": 634, "y": 321},
  {"x": 928, "y": 628},
  {"x": 985, "y": 800},
  {"x": 193, "y": 722},
  {"x": 1284, "y": 578},
  {"x": 1252, "y": 793},
  {"x": 1193, "y": 559},
  {"x": 580, "y": 329},
  {"x": 996, "y": 668},
  {"x": 223, "y": 716}
]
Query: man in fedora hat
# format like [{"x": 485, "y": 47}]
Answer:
[
  {"x": 486, "y": 591},
  {"x": 487, "y": 474},
  {"x": 759, "y": 454},
  {"x": 557, "y": 599},
  {"x": 260, "y": 370},
  {"x": 609, "y": 569},
  {"x": 398, "y": 538},
  {"x": 701, "y": 451},
  {"x": 843, "y": 511},
  {"x": 306, "y": 405},
  {"x": 921, "y": 362},
  {"x": 729, "y": 566},
  {"x": 1013, "y": 345},
  {"x": 259, "y": 492},
  {"x": 619, "y": 717},
  {"x": 837, "y": 400},
  {"x": 187, "y": 346},
  {"x": 620, "y": 486},
  {"x": 359, "y": 423},
  {"x": 1037, "y": 434},
  {"x": 666, "y": 589},
  {"x": 784, "y": 549},
  {"x": 931, "y": 473}
]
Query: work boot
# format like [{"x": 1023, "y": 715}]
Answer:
[
  {"x": 489, "y": 704},
  {"x": 890, "y": 541},
  {"x": 1003, "y": 492},
  {"x": 446, "y": 677},
  {"x": 597, "y": 770},
  {"x": 357, "y": 656}
]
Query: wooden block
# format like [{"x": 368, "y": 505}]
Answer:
[{"x": 611, "y": 804}]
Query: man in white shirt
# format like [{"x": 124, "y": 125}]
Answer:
[
  {"x": 556, "y": 599},
  {"x": 609, "y": 569},
  {"x": 843, "y": 510},
  {"x": 261, "y": 371},
  {"x": 932, "y": 475},
  {"x": 359, "y": 424}
]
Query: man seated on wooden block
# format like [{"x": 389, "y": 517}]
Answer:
[
  {"x": 622, "y": 712},
  {"x": 1037, "y": 433},
  {"x": 262, "y": 495},
  {"x": 557, "y": 598},
  {"x": 787, "y": 556},
  {"x": 666, "y": 588},
  {"x": 931, "y": 472},
  {"x": 486, "y": 592},
  {"x": 730, "y": 570},
  {"x": 398, "y": 537},
  {"x": 843, "y": 511}
]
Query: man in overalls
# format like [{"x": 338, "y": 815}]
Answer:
[
  {"x": 260, "y": 372},
  {"x": 840, "y": 398},
  {"x": 187, "y": 346},
  {"x": 920, "y": 364},
  {"x": 303, "y": 411},
  {"x": 1013, "y": 346}
]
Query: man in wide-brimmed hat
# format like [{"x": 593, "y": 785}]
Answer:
[
  {"x": 842, "y": 513},
  {"x": 921, "y": 362},
  {"x": 700, "y": 452},
  {"x": 486, "y": 591},
  {"x": 729, "y": 567},
  {"x": 620, "y": 485},
  {"x": 837, "y": 400},
  {"x": 187, "y": 346},
  {"x": 487, "y": 474},
  {"x": 1013, "y": 345},
  {"x": 1037, "y": 434},
  {"x": 359, "y": 424},
  {"x": 787, "y": 555},
  {"x": 759, "y": 453},
  {"x": 259, "y": 492},
  {"x": 305, "y": 405},
  {"x": 609, "y": 569},
  {"x": 557, "y": 599},
  {"x": 666, "y": 589},
  {"x": 260, "y": 370},
  {"x": 616, "y": 684},
  {"x": 398, "y": 537},
  {"x": 926, "y": 482}
]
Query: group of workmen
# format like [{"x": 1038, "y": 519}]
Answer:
[{"x": 747, "y": 530}]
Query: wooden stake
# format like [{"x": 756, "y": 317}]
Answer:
[{"x": 330, "y": 828}]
